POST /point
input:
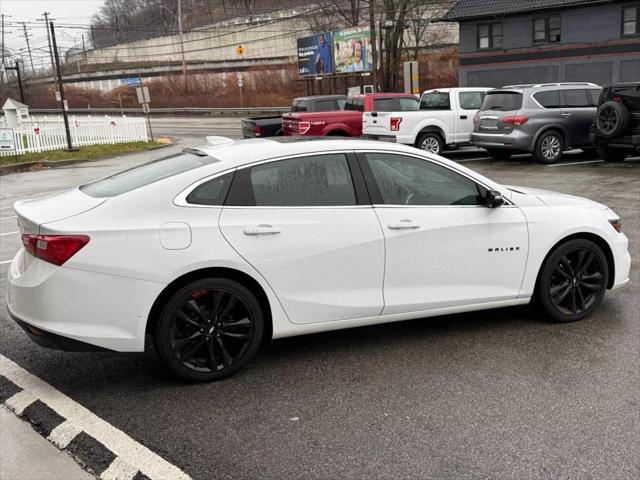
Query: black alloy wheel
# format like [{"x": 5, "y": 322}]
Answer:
[
  {"x": 209, "y": 329},
  {"x": 573, "y": 280},
  {"x": 611, "y": 119}
]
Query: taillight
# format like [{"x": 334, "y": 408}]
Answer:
[
  {"x": 394, "y": 123},
  {"x": 476, "y": 119},
  {"x": 56, "y": 249},
  {"x": 515, "y": 120},
  {"x": 303, "y": 127},
  {"x": 257, "y": 130}
]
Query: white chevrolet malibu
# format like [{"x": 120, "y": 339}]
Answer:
[{"x": 214, "y": 249}]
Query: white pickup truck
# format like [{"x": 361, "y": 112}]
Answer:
[{"x": 445, "y": 118}]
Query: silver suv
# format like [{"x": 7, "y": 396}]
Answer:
[{"x": 545, "y": 120}]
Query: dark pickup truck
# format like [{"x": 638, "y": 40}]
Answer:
[{"x": 253, "y": 127}]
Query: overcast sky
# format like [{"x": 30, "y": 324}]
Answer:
[{"x": 70, "y": 12}]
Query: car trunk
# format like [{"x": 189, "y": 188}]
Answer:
[
  {"x": 497, "y": 105},
  {"x": 33, "y": 214}
]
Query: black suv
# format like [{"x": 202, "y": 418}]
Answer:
[{"x": 616, "y": 125}]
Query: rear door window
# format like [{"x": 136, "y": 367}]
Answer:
[
  {"x": 502, "y": 101},
  {"x": 211, "y": 192},
  {"x": 435, "y": 101},
  {"x": 594, "y": 95},
  {"x": 471, "y": 100},
  {"x": 548, "y": 99},
  {"x": 147, "y": 173},
  {"x": 385, "y": 105},
  {"x": 324, "y": 105},
  {"x": 575, "y": 98}
]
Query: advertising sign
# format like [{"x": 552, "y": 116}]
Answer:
[
  {"x": 7, "y": 141},
  {"x": 352, "y": 50},
  {"x": 314, "y": 55}
]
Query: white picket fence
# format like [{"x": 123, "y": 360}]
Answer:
[{"x": 47, "y": 133}]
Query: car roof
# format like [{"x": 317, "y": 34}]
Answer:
[
  {"x": 319, "y": 97},
  {"x": 242, "y": 152},
  {"x": 457, "y": 89}
]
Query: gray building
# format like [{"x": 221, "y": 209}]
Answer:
[{"x": 538, "y": 41}]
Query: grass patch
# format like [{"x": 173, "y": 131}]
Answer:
[{"x": 89, "y": 152}]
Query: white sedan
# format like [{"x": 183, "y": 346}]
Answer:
[{"x": 214, "y": 249}]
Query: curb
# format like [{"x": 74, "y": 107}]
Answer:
[
  {"x": 46, "y": 164},
  {"x": 98, "y": 447}
]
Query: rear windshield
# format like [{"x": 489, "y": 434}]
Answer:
[
  {"x": 147, "y": 173},
  {"x": 299, "y": 106},
  {"x": 435, "y": 101},
  {"x": 504, "y": 101}
]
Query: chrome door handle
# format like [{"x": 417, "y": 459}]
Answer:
[
  {"x": 262, "y": 229},
  {"x": 403, "y": 224},
  {"x": 567, "y": 114}
]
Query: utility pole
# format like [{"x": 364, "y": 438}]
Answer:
[
  {"x": 184, "y": 65},
  {"x": 60, "y": 86},
  {"x": 2, "y": 51},
  {"x": 84, "y": 50},
  {"x": 46, "y": 24},
  {"x": 26, "y": 37},
  {"x": 17, "y": 69},
  {"x": 374, "y": 47}
]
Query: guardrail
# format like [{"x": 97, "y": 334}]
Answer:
[{"x": 196, "y": 111}]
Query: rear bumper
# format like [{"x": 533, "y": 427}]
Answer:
[
  {"x": 515, "y": 140},
  {"x": 66, "y": 308},
  {"x": 381, "y": 138}
]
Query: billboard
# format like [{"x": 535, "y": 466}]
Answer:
[
  {"x": 314, "y": 55},
  {"x": 352, "y": 50}
]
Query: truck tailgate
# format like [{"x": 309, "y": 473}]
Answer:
[{"x": 379, "y": 123}]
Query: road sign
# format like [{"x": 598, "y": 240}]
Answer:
[
  {"x": 240, "y": 50},
  {"x": 58, "y": 98},
  {"x": 7, "y": 140},
  {"x": 143, "y": 95},
  {"x": 131, "y": 82}
]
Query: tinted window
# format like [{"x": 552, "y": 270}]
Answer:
[
  {"x": 548, "y": 99},
  {"x": 470, "y": 100},
  {"x": 321, "y": 180},
  {"x": 385, "y": 104},
  {"x": 324, "y": 105},
  {"x": 504, "y": 101},
  {"x": 354, "y": 104},
  {"x": 408, "y": 104},
  {"x": 594, "y": 96},
  {"x": 299, "y": 106},
  {"x": 340, "y": 103},
  {"x": 412, "y": 181},
  {"x": 212, "y": 192},
  {"x": 435, "y": 101},
  {"x": 146, "y": 174},
  {"x": 575, "y": 98}
]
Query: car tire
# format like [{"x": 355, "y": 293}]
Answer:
[
  {"x": 611, "y": 119},
  {"x": 499, "y": 154},
  {"x": 573, "y": 280},
  {"x": 209, "y": 329},
  {"x": 549, "y": 147},
  {"x": 611, "y": 154},
  {"x": 430, "y": 142}
]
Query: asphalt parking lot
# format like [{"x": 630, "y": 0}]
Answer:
[{"x": 496, "y": 394}]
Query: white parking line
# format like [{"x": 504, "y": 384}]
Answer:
[
  {"x": 8, "y": 218},
  {"x": 5, "y": 262},
  {"x": 122, "y": 445},
  {"x": 574, "y": 163},
  {"x": 9, "y": 233}
]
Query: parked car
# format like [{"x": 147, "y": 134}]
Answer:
[
  {"x": 347, "y": 123},
  {"x": 272, "y": 126},
  {"x": 445, "y": 117},
  {"x": 267, "y": 238},
  {"x": 616, "y": 127},
  {"x": 544, "y": 119}
]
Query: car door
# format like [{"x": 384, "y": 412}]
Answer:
[
  {"x": 578, "y": 111},
  {"x": 311, "y": 232},
  {"x": 444, "y": 248},
  {"x": 469, "y": 104}
]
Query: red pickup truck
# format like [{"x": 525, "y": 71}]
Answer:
[{"x": 347, "y": 122}]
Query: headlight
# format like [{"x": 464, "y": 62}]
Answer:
[{"x": 616, "y": 223}]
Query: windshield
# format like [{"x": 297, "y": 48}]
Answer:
[
  {"x": 503, "y": 101},
  {"x": 147, "y": 173}
]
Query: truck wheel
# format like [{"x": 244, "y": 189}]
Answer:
[
  {"x": 549, "y": 147},
  {"x": 612, "y": 119},
  {"x": 610, "y": 154},
  {"x": 430, "y": 142},
  {"x": 499, "y": 154}
]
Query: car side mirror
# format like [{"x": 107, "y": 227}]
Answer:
[{"x": 493, "y": 199}]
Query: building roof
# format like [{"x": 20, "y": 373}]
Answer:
[
  {"x": 11, "y": 104},
  {"x": 472, "y": 9}
]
